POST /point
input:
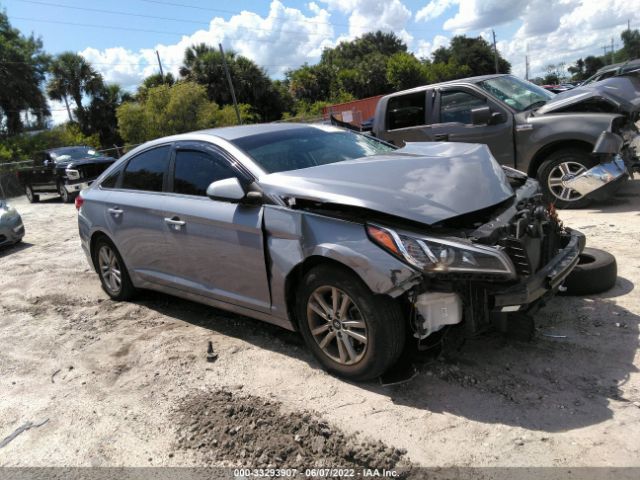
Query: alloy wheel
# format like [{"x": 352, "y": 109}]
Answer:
[
  {"x": 29, "y": 193},
  {"x": 337, "y": 325},
  {"x": 63, "y": 193},
  {"x": 558, "y": 177},
  {"x": 110, "y": 269}
]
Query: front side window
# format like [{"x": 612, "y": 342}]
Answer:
[
  {"x": 196, "y": 170},
  {"x": 146, "y": 170},
  {"x": 456, "y": 106},
  {"x": 406, "y": 111}
]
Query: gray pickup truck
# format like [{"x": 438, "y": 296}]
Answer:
[{"x": 550, "y": 137}]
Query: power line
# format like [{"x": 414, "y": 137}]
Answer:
[{"x": 155, "y": 17}]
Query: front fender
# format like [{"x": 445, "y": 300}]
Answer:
[{"x": 295, "y": 236}]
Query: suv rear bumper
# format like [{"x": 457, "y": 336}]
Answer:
[{"x": 544, "y": 282}]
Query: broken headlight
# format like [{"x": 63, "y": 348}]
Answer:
[{"x": 433, "y": 254}]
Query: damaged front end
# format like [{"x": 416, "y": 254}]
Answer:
[{"x": 481, "y": 270}]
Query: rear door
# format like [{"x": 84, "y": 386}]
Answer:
[
  {"x": 219, "y": 244},
  {"x": 135, "y": 215},
  {"x": 451, "y": 122}
]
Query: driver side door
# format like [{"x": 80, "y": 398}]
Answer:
[
  {"x": 451, "y": 122},
  {"x": 218, "y": 245}
]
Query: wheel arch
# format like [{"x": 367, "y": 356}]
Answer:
[
  {"x": 298, "y": 272},
  {"x": 541, "y": 155},
  {"x": 95, "y": 236}
]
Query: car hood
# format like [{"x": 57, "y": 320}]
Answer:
[
  {"x": 85, "y": 161},
  {"x": 622, "y": 91},
  {"x": 422, "y": 182}
]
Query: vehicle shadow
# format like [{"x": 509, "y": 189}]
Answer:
[
  {"x": 15, "y": 248},
  {"x": 565, "y": 379},
  {"x": 627, "y": 199}
]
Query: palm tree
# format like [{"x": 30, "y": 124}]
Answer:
[{"x": 73, "y": 77}]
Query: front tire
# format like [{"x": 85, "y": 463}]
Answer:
[
  {"x": 64, "y": 195},
  {"x": 112, "y": 271},
  {"x": 560, "y": 167},
  {"x": 32, "y": 197},
  {"x": 350, "y": 330}
]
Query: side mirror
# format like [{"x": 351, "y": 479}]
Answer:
[
  {"x": 481, "y": 115},
  {"x": 227, "y": 190},
  {"x": 608, "y": 143}
]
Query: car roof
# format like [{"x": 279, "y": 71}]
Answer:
[
  {"x": 64, "y": 149},
  {"x": 240, "y": 131},
  {"x": 458, "y": 81},
  {"x": 615, "y": 66}
]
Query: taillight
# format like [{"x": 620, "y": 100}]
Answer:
[{"x": 79, "y": 201}]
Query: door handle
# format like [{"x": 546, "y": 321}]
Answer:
[
  {"x": 175, "y": 222},
  {"x": 441, "y": 137},
  {"x": 115, "y": 211}
]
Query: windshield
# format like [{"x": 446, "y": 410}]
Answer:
[
  {"x": 297, "y": 148},
  {"x": 73, "y": 153},
  {"x": 518, "y": 94}
]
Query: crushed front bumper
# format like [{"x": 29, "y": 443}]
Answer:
[{"x": 544, "y": 282}]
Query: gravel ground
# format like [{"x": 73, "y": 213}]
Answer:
[{"x": 118, "y": 383}]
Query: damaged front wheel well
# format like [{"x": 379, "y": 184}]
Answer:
[
  {"x": 296, "y": 275},
  {"x": 542, "y": 154}
]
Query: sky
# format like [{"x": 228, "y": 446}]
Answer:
[{"x": 121, "y": 37}]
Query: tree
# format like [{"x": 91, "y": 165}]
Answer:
[
  {"x": 23, "y": 65},
  {"x": 203, "y": 64},
  {"x": 345, "y": 54},
  {"x": 592, "y": 65},
  {"x": 577, "y": 70},
  {"x": 167, "y": 110},
  {"x": 153, "y": 81},
  {"x": 443, "y": 72},
  {"x": 475, "y": 53},
  {"x": 631, "y": 44},
  {"x": 72, "y": 77},
  {"x": 101, "y": 113}
]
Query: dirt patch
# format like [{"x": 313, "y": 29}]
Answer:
[{"x": 244, "y": 430}]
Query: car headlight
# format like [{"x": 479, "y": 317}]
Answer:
[
  {"x": 433, "y": 254},
  {"x": 72, "y": 174}
]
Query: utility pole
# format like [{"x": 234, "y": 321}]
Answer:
[
  {"x": 233, "y": 92},
  {"x": 66, "y": 103},
  {"x": 160, "y": 65},
  {"x": 611, "y": 50},
  {"x": 526, "y": 63},
  {"x": 495, "y": 50}
]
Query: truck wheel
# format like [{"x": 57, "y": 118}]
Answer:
[
  {"x": 596, "y": 272},
  {"x": 32, "y": 197},
  {"x": 64, "y": 195},
  {"x": 350, "y": 330},
  {"x": 559, "y": 167}
]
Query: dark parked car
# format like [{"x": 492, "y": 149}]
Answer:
[
  {"x": 11, "y": 227},
  {"x": 357, "y": 244},
  {"x": 549, "y": 137},
  {"x": 609, "y": 71},
  {"x": 64, "y": 171}
]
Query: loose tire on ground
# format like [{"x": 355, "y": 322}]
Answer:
[
  {"x": 596, "y": 272},
  {"x": 32, "y": 197},
  {"x": 571, "y": 161},
  {"x": 122, "y": 290},
  {"x": 382, "y": 323}
]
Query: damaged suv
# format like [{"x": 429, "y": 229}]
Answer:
[{"x": 357, "y": 244}]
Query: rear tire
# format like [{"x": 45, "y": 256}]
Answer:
[
  {"x": 375, "y": 318},
  {"x": 112, "y": 271},
  {"x": 32, "y": 197},
  {"x": 563, "y": 165},
  {"x": 596, "y": 272}
]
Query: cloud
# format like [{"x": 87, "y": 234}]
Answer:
[
  {"x": 434, "y": 9},
  {"x": 371, "y": 15},
  {"x": 285, "y": 38},
  {"x": 424, "y": 49}
]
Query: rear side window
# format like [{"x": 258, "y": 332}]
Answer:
[
  {"x": 146, "y": 170},
  {"x": 456, "y": 106},
  {"x": 406, "y": 111},
  {"x": 111, "y": 180},
  {"x": 196, "y": 170}
]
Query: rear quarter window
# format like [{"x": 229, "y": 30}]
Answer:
[{"x": 406, "y": 111}]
